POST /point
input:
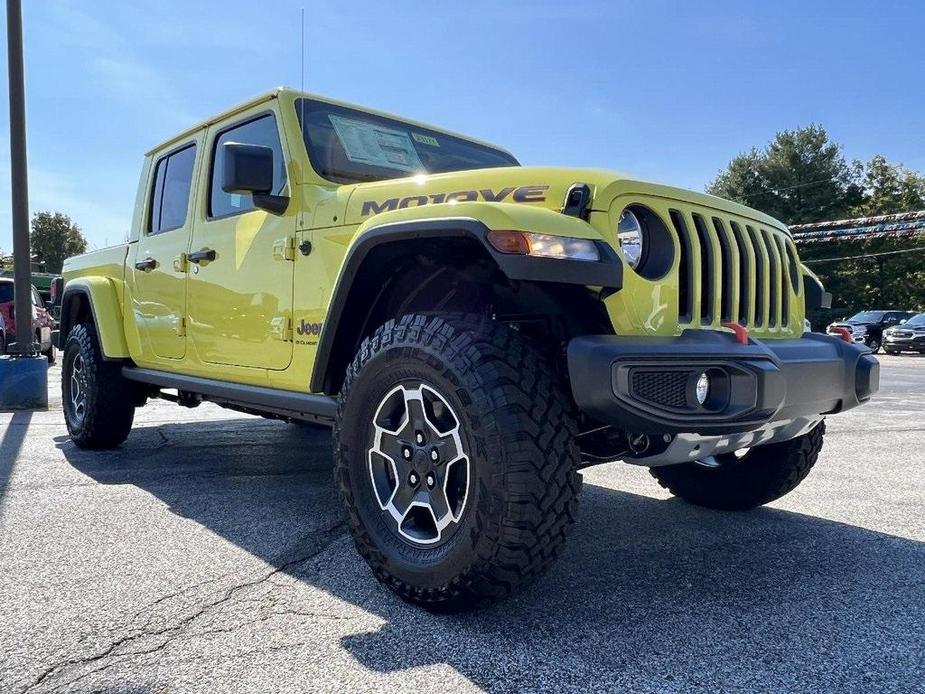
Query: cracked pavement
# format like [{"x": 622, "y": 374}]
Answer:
[{"x": 208, "y": 554}]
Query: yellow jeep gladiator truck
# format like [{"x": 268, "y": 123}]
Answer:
[{"x": 475, "y": 331}]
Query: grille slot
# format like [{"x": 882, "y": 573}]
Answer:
[
  {"x": 761, "y": 262},
  {"x": 665, "y": 388},
  {"x": 774, "y": 276},
  {"x": 726, "y": 271},
  {"x": 785, "y": 284},
  {"x": 743, "y": 271},
  {"x": 685, "y": 288},
  {"x": 707, "y": 270}
]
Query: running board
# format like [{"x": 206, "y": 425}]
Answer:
[{"x": 282, "y": 403}]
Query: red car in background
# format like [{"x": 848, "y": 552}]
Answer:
[{"x": 42, "y": 322}]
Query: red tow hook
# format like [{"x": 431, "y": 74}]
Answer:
[
  {"x": 844, "y": 332},
  {"x": 740, "y": 331}
]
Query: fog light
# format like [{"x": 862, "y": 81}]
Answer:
[{"x": 702, "y": 390}]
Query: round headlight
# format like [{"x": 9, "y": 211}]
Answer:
[{"x": 629, "y": 235}]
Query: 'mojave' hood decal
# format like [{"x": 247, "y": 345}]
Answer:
[{"x": 544, "y": 187}]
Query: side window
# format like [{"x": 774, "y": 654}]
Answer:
[
  {"x": 37, "y": 298},
  {"x": 173, "y": 176},
  {"x": 260, "y": 131}
]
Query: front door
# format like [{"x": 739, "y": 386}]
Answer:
[
  {"x": 241, "y": 269},
  {"x": 158, "y": 273}
]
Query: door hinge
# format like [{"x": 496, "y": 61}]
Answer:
[
  {"x": 181, "y": 326},
  {"x": 180, "y": 263},
  {"x": 281, "y": 328},
  {"x": 284, "y": 249}
]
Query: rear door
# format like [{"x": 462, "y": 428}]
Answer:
[
  {"x": 240, "y": 295},
  {"x": 157, "y": 266}
]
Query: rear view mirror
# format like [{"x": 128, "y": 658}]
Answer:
[{"x": 248, "y": 169}]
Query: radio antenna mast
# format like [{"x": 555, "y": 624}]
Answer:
[{"x": 302, "y": 86}]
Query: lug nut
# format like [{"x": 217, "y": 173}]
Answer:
[
  {"x": 406, "y": 453},
  {"x": 431, "y": 480},
  {"x": 413, "y": 478},
  {"x": 434, "y": 455},
  {"x": 419, "y": 437}
]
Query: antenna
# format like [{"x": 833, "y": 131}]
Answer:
[{"x": 302, "y": 86}]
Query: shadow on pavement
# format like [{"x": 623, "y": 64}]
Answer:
[
  {"x": 650, "y": 595},
  {"x": 10, "y": 444}
]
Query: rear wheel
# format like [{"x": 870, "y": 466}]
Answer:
[
  {"x": 735, "y": 482},
  {"x": 98, "y": 402},
  {"x": 455, "y": 453}
]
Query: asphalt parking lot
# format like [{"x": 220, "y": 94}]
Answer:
[{"x": 208, "y": 554}]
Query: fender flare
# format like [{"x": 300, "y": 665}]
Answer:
[
  {"x": 104, "y": 305},
  {"x": 606, "y": 272}
]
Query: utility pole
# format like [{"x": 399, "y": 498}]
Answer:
[
  {"x": 23, "y": 376},
  {"x": 20, "y": 183}
]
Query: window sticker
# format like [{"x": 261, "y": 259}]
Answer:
[
  {"x": 425, "y": 139},
  {"x": 368, "y": 143}
]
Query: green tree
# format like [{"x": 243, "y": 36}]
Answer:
[
  {"x": 55, "y": 237},
  {"x": 800, "y": 176},
  {"x": 889, "y": 188}
]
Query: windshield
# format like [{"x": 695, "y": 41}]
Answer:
[
  {"x": 350, "y": 146},
  {"x": 917, "y": 321},
  {"x": 868, "y": 316}
]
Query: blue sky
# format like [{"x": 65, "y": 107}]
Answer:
[{"x": 666, "y": 90}]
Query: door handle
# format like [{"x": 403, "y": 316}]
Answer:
[
  {"x": 147, "y": 264},
  {"x": 206, "y": 254}
]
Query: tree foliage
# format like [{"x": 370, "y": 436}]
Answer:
[
  {"x": 55, "y": 237},
  {"x": 800, "y": 176}
]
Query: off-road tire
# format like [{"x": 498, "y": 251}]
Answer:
[
  {"x": 766, "y": 473},
  {"x": 109, "y": 408},
  {"x": 518, "y": 424}
]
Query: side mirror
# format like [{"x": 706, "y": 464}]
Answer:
[
  {"x": 57, "y": 291},
  {"x": 248, "y": 169}
]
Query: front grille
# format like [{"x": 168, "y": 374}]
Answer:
[
  {"x": 733, "y": 272},
  {"x": 665, "y": 388}
]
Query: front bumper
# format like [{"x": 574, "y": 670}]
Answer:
[
  {"x": 647, "y": 385},
  {"x": 911, "y": 343}
]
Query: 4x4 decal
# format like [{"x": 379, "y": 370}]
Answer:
[{"x": 519, "y": 194}]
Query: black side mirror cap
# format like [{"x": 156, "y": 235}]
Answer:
[
  {"x": 57, "y": 291},
  {"x": 248, "y": 169}
]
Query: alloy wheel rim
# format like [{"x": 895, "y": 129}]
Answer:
[
  {"x": 418, "y": 468},
  {"x": 78, "y": 392}
]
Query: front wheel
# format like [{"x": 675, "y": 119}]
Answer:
[
  {"x": 874, "y": 344},
  {"x": 736, "y": 482},
  {"x": 454, "y": 449}
]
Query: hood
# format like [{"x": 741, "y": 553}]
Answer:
[{"x": 532, "y": 185}]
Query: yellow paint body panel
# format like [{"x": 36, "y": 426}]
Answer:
[{"x": 254, "y": 315}]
